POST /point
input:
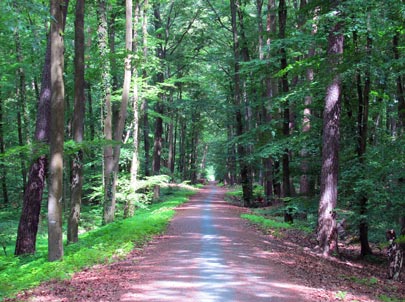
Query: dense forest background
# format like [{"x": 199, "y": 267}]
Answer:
[{"x": 163, "y": 90}]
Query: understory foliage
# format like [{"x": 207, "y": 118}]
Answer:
[{"x": 97, "y": 244}]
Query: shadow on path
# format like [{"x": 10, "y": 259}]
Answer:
[{"x": 209, "y": 254}]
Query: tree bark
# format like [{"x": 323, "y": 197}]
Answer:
[
  {"x": 108, "y": 177},
  {"x": 3, "y": 176},
  {"x": 55, "y": 244},
  {"x": 28, "y": 225},
  {"x": 159, "y": 107},
  {"x": 282, "y": 16},
  {"x": 327, "y": 232},
  {"x": 119, "y": 130},
  {"x": 78, "y": 125},
  {"x": 243, "y": 165},
  {"x": 22, "y": 122},
  {"x": 400, "y": 87},
  {"x": 362, "y": 126},
  {"x": 306, "y": 188},
  {"x": 130, "y": 207},
  {"x": 144, "y": 106}
]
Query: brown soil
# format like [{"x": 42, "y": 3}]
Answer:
[{"x": 210, "y": 254}]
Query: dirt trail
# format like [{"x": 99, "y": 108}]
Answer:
[{"x": 208, "y": 254}]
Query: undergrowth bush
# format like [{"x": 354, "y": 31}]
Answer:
[{"x": 265, "y": 223}]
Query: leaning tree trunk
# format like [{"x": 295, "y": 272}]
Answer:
[
  {"x": 55, "y": 243},
  {"x": 78, "y": 126},
  {"x": 327, "y": 232},
  {"x": 28, "y": 225}
]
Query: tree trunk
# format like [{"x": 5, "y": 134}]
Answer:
[
  {"x": 3, "y": 176},
  {"x": 159, "y": 107},
  {"x": 119, "y": 130},
  {"x": 55, "y": 243},
  {"x": 362, "y": 125},
  {"x": 22, "y": 100},
  {"x": 144, "y": 106},
  {"x": 243, "y": 165},
  {"x": 28, "y": 225},
  {"x": 306, "y": 188},
  {"x": 78, "y": 125},
  {"x": 108, "y": 179},
  {"x": 182, "y": 147},
  {"x": 130, "y": 207},
  {"x": 400, "y": 87},
  {"x": 282, "y": 16},
  {"x": 327, "y": 232},
  {"x": 271, "y": 91}
]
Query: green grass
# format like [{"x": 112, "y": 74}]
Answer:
[
  {"x": 102, "y": 245},
  {"x": 264, "y": 223}
]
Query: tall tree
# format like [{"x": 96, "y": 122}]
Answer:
[
  {"x": 327, "y": 231},
  {"x": 144, "y": 106},
  {"x": 159, "y": 107},
  {"x": 363, "y": 94},
  {"x": 78, "y": 125},
  {"x": 237, "y": 95},
  {"x": 108, "y": 156},
  {"x": 28, "y": 225},
  {"x": 55, "y": 243},
  {"x": 282, "y": 16},
  {"x": 3, "y": 176}
]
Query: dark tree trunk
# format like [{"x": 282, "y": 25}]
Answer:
[
  {"x": 22, "y": 100},
  {"x": 28, "y": 226},
  {"x": 159, "y": 107},
  {"x": 362, "y": 125},
  {"x": 282, "y": 15},
  {"x": 78, "y": 125},
  {"x": 182, "y": 146},
  {"x": 157, "y": 146},
  {"x": 144, "y": 106},
  {"x": 243, "y": 165},
  {"x": 400, "y": 87},
  {"x": 271, "y": 91},
  {"x": 327, "y": 232},
  {"x": 3, "y": 176},
  {"x": 90, "y": 112}
]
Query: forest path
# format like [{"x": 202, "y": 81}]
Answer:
[{"x": 208, "y": 254}]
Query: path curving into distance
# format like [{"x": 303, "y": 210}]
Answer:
[{"x": 209, "y": 254}]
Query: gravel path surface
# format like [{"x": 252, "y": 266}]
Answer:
[{"x": 210, "y": 254}]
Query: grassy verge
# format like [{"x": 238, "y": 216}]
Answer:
[
  {"x": 102, "y": 245},
  {"x": 264, "y": 223}
]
